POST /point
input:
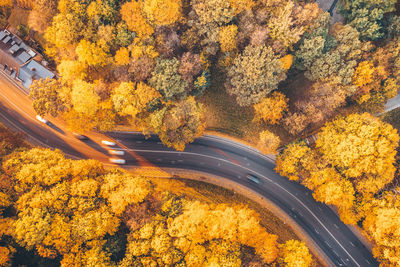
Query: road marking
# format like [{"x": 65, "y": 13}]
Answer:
[
  {"x": 368, "y": 261},
  {"x": 352, "y": 244},
  {"x": 139, "y": 142},
  {"x": 180, "y": 160},
  {"x": 260, "y": 175},
  {"x": 327, "y": 244},
  {"x": 159, "y": 143},
  {"x": 336, "y": 225}
]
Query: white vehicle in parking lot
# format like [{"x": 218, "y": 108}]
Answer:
[
  {"x": 116, "y": 152},
  {"x": 39, "y": 118},
  {"x": 117, "y": 161},
  {"x": 107, "y": 143}
]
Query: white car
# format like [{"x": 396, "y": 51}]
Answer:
[
  {"x": 107, "y": 143},
  {"x": 39, "y": 118},
  {"x": 116, "y": 152},
  {"x": 117, "y": 161}
]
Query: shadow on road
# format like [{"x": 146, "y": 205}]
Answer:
[{"x": 55, "y": 127}]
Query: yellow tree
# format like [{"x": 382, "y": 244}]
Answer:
[
  {"x": 132, "y": 14},
  {"x": 83, "y": 98},
  {"x": 179, "y": 123},
  {"x": 162, "y": 12},
  {"x": 122, "y": 56},
  {"x": 132, "y": 98},
  {"x": 271, "y": 109},
  {"x": 227, "y": 38},
  {"x": 92, "y": 54},
  {"x": 269, "y": 142},
  {"x": 382, "y": 223},
  {"x": 362, "y": 147},
  {"x": 294, "y": 254}
]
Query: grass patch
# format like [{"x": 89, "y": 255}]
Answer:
[{"x": 392, "y": 117}]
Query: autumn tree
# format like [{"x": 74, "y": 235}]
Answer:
[
  {"x": 341, "y": 60},
  {"x": 362, "y": 147},
  {"x": 92, "y": 54},
  {"x": 268, "y": 142},
  {"x": 178, "y": 124},
  {"x": 45, "y": 95},
  {"x": 132, "y": 14},
  {"x": 215, "y": 11},
  {"x": 131, "y": 99},
  {"x": 227, "y": 38},
  {"x": 166, "y": 79},
  {"x": 42, "y": 14},
  {"x": 83, "y": 97},
  {"x": 294, "y": 254},
  {"x": 381, "y": 223},
  {"x": 162, "y": 12},
  {"x": 254, "y": 74},
  {"x": 290, "y": 22},
  {"x": 367, "y": 16},
  {"x": 271, "y": 109},
  {"x": 65, "y": 29}
]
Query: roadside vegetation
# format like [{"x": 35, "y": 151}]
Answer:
[
  {"x": 57, "y": 211},
  {"x": 270, "y": 72}
]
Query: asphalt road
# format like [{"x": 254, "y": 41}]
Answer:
[{"x": 208, "y": 154}]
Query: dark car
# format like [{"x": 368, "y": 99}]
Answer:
[{"x": 253, "y": 178}]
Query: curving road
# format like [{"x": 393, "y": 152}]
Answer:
[{"x": 208, "y": 154}]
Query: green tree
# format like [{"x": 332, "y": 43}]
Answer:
[
  {"x": 367, "y": 16},
  {"x": 166, "y": 79}
]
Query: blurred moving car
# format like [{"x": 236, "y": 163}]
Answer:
[
  {"x": 116, "y": 152},
  {"x": 39, "y": 118},
  {"x": 107, "y": 143},
  {"x": 117, "y": 161},
  {"x": 80, "y": 136},
  {"x": 253, "y": 178}
]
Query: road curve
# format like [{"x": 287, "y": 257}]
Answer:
[{"x": 209, "y": 154}]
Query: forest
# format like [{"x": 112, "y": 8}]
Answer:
[
  {"x": 149, "y": 65},
  {"x": 57, "y": 211}
]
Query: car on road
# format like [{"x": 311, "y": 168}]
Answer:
[
  {"x": 116, "y": 152},
  {"x": 80, "y": 136},
  {"x": 41, "y": 119},
  {"x": 253, "y": 178},
  {"x": 117, "y": 161},
  {"x": 107, "y": 143}
]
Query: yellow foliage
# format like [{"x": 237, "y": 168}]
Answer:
[
  {"x": 201, "y": 222},
  {"x": 286, "y": 61},
  {"x": 4, "y": 256},
  {"x": 241, "y": 5},
  {"x": 162, "y": 12},
  {"x": 71, "y": 70},
  {"x": 84, "y": 98},
  {"x": 138, "y": 50},
  {"x": 271, "y": 109},
  {"x": 7, "y": 3},
  {"x": 92, "y": 54},
  {"x": 363, "y": 73},
  {"x": 121, "y": 190},
  {"x": 227, "y": 37},
  {"x": 269, "y": 142},
  {"x": 132, "y": 98},
  {"x": 362, "y": 147},
  {"x": 131, "y": 13},
  {"x": 294, "y": 254},
  {"x": 292, "y": 161},
  {"x": 122, "y": 56}
]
